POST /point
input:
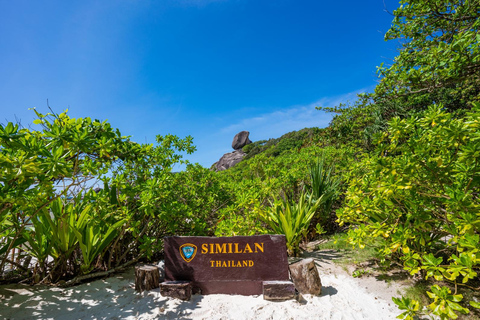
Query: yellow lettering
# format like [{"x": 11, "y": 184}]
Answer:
[
  {"x": 247, "y": 249},
  {"x": 236, "y": 248},
  {"x": 221, "y": 248},
  {"x": 257, "y": 246},
  {"x": 231, "y": 263},
  {"x": 230, "y": 247}
]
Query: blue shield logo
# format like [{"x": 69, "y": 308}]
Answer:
[{"x": 188, "y": 251}]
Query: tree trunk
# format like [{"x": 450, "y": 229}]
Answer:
[{"x": 147, "y": 277}]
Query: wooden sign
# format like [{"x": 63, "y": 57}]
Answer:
[{"x": 230, "y": 265}]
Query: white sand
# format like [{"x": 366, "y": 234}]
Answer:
[{"x": 343, "y": 297}]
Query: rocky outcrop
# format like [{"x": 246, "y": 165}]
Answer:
[
  {"x": 241, "y": 140},
  {"x": 230, "y": 159}
]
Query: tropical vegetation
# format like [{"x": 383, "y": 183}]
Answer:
[{"x": 398, "y": 169}]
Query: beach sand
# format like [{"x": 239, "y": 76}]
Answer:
[{"x": 343, "y": 297}]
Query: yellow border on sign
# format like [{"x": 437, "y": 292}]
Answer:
[{"x": 188, "y": 245}]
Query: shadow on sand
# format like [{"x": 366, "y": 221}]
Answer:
[
  {"x": 112, "y": 298},
  {"x": 323, "y": 256}
]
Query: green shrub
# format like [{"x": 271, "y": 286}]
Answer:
[
  {"x": 420, "y": 193},
  {"x": 47, "y": 207}
]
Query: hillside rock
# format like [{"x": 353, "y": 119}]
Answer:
[
  {"x": 240, "y": 140},
  {"x": 230, "y": 159}
]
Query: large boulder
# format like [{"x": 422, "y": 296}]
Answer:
[
  {"x": 229, "y": 160},
  {"x": 240, "y": 140}
]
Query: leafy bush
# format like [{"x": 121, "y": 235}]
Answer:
[
  {"x": 253, "y": 148},
  {"x": 253, "y": 182},
  {"x": 291, "y": 141},
  {"x": 240, "y": 216},
  {"x": 49, "y": 209},
  {"x": 420, "y": 192}
]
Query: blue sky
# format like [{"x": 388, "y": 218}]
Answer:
[{"x": 205, "y": 68}]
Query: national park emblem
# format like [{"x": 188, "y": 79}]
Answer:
[{"x": 188, "y": 251}]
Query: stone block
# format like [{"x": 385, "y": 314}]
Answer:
[
  {"x": 305, "y": 277},
  {"x": 278, "y": 290},
  {"x": 176, "y": 289}
]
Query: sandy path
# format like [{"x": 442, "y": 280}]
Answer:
[{"x": 343, "y": 297}]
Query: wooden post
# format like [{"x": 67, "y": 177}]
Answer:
[{"x": 147, "y": 277}]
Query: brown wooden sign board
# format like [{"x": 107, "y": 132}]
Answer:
[{"x": 229, "y": 265}]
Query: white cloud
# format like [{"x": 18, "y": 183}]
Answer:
[
  {"x": 268, "y": 125},
  {"x": 277, "y": 123}
]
